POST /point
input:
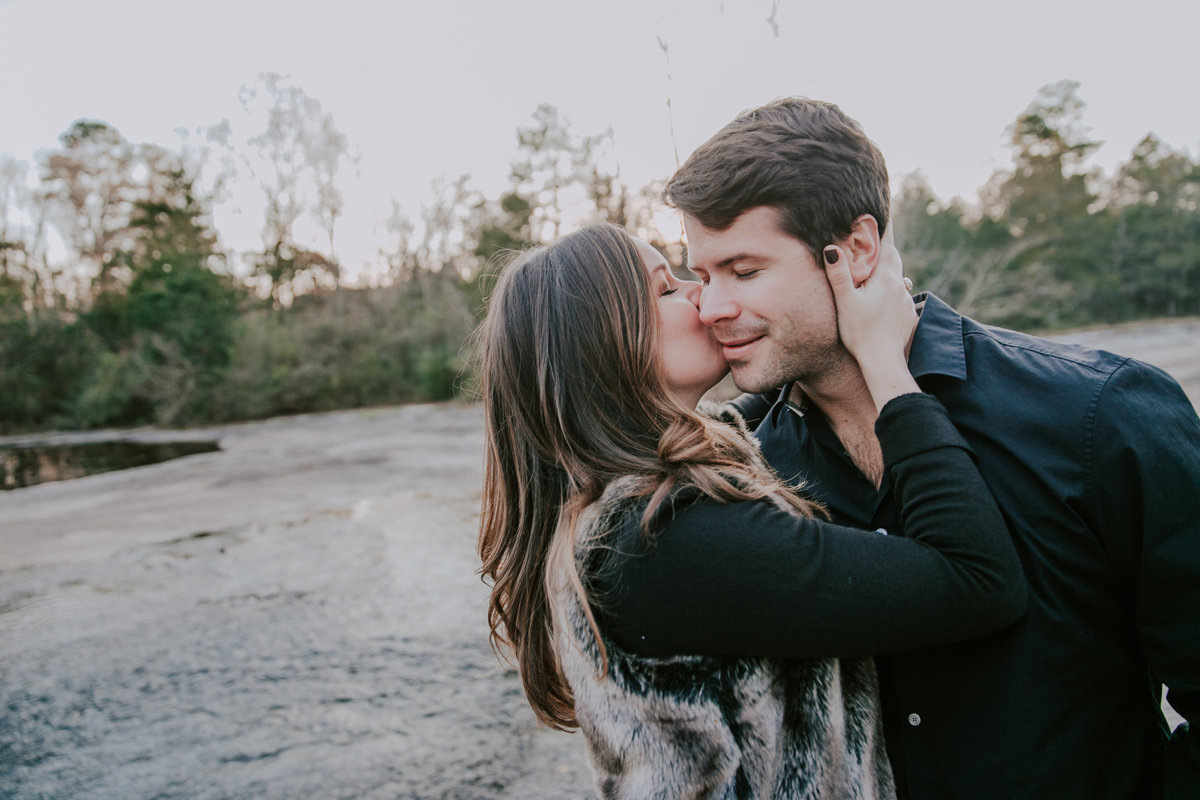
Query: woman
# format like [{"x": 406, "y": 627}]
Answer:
[{"x": 603, "y": 484}]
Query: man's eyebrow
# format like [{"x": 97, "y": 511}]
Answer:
[{"x": 729, "y": 261}]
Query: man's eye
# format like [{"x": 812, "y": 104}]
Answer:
[{"x": 750, "y": 273}]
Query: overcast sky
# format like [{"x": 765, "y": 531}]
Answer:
[{"x": 438, "y": 88}]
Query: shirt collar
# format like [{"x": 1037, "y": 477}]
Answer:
[
  {"x": 782, "y": 402},
  {"x": 937, "y": 347}
]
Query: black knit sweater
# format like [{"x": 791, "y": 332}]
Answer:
[{"x": 749, "y": 579}]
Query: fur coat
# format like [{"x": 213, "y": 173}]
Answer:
[{"x": 716, "y": 727}]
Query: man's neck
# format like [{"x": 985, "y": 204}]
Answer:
[{"x": 847, "y": 406}]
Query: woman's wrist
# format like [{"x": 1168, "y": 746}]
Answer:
[{"x": 887, "y": 377}]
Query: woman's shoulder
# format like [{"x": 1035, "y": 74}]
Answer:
[
  {"x": 614, "y": 522},
  {"x": 724, "y": 412},
  {"x": 617, "y": 514},
  {"x": 623, "y": 503}
]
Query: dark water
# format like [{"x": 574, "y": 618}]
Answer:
[{"x": 22, "y": 466}]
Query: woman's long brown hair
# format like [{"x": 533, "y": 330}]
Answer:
[{"x": 574, "y": 398}]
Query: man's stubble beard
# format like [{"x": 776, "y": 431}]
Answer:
[{"x": 808, "y": 364}]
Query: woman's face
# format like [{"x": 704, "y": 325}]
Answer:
[{"x": 691, "y": 358}]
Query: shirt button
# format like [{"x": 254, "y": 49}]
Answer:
[{"x": 914, "y": 719}]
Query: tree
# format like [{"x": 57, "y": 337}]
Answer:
[
  {"x": 92, "y": 185},
  {"x": 502, "y": 226},
  {"x": 22, "y": 222},
  {"x": 556, "y": 171},
  {"x": 12, "y": 197},
  {"x": 968, "y": 263},
  {"x": 557, "y": 179},
  {"x": 300, "y": 153},
  {"x": 1038, "y": 218},
  {"x": 43, "y": 366},
  {"x": 926, "y": 232},
  {"x": 169, "y": 333},
  {"x": 1152, "y": 263},
  {"x": 177, "y": 293},
  {"x": 1048, "y": 186}
]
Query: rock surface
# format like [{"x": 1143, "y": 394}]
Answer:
[{"x": 297, "y": 615}]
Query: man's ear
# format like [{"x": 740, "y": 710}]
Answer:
[{"x": 861, "y": 247}]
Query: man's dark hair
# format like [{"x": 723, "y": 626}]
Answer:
[{"x": 804, "y": 157}]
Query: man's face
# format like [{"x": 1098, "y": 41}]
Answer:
[{"x": 767, "y": 301}]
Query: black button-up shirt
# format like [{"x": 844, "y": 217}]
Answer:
[{"x": 1094, "y": 460}]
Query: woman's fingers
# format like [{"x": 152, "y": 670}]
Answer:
[
  {"x": 837, "y": 271},
  {"x": 875, "y": 315}
]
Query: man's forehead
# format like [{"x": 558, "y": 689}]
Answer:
[{"x": 708, "y": 248}]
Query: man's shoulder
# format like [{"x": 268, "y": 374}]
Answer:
[
  {"x": 987, "y": 373},
  {"x": 985, "y": 340},
  {"x": 995, "y": 354}
]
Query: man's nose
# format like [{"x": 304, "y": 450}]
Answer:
[{"x": 716, "y": 304}]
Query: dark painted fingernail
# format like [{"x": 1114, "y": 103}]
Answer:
[{"x": 831, "y": 255}]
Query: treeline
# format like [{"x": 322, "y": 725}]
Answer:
[
  {"x": 120, "y": 305},
  {"x": 1054, "y": 243}
]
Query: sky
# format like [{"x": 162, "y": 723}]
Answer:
[{"x": 434, "y": 90}]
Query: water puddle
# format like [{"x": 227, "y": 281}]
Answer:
[{"x": 28, "y": 465}]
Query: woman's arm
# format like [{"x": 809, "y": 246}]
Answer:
[{"x": 749, "y": 579}]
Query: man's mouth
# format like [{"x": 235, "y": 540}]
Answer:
[{"x": 738, "y": 349}]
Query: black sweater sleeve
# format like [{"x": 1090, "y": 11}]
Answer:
[{"x": 750, "y": 579}]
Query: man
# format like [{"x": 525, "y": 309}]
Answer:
[{"x": 1094, "y": 459}]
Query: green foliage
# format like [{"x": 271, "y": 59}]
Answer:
[
  {"x": 438, "y": 372},
  {"x": 12, "y": 297},
  {"x": 503, "y": 229},
  {"x": 43, "y": 367},
  {"x": 1152, "y": 227},
  {"x": 394, "y": 345},
  {"x": 117, "y": 392},
  {"x": 169, "y": 332}
]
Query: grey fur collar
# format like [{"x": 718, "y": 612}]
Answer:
[{"x": 709, "y": 727}]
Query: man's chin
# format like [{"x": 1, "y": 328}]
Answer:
[{"x": 747, "y": 381}]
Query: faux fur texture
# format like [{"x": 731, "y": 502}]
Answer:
[{"x": 713, "y": 727}]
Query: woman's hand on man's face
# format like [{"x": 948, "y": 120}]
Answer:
[{"x": 877, "y": 313}]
